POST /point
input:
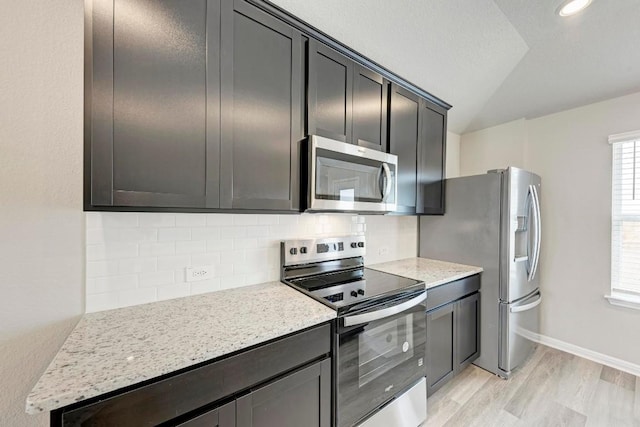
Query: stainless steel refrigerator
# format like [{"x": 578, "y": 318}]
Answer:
[{"x": 493, "y": 221}]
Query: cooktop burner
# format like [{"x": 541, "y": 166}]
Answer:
[{"x": 332, "y": 271}]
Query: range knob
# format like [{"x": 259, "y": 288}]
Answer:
[
  {"x": 303, "y": 249},
  {"x": 361, "y": 244},
  {"x": 293, "y": 251},
  {"x": 354, "y": 294},
  {"x": 354, "y": 245},
  {"x": 361, "y": 291}
]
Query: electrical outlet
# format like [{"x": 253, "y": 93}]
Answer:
[
  {"x": 383, "y": 250},
  {"x": 195, "y": 274}
]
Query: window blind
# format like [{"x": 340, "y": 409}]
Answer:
[{"x": 625, "y": 224}]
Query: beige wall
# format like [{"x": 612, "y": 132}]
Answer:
[
  {"x": 453, "y": 155},
  {"x": 570, "y": 151},
  {"x": 493, "y": 148},
  {"x": 41, "y": 220}
]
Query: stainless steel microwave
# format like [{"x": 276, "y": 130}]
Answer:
[{"x": 344, "y": 177}]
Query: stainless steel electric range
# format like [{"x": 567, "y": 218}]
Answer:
[{"x": 379, "y": 359}]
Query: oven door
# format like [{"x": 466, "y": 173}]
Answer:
[
  {"x": 378, "y": 358},
  {"x": 346, "y": 177}
]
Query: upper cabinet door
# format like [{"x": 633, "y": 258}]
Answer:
[
  {"x": 153, "y": 120},
  {"x": 404, "y": 137},
  {"x": 370, "y": 91},
  {"x": 431, "y": 159},
  {"x": 330, "y": 92},
  {"x": 262, "y": 110}
]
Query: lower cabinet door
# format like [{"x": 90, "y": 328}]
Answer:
[
  {"x": 302, "y": 398},
  {"x": 224, "y": 416},
  {"x": 441, "y": 355},
  {"x": 468, "y": 330}
]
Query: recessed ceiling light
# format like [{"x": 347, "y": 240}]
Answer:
[{"x": 571, "y": 7}]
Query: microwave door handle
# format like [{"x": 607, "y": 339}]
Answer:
[
  {"x": 358, "y": 319},
  {"x": 387, "y": 181}
]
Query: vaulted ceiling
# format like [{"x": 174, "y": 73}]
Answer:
[{"x": 493, "y": 60}]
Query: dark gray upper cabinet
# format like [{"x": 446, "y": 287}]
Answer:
[
  {"x": 417, "y": 135},
  {"x": 346, "y": 101},
  {"x": 202, "y": 105},
  {"x": 404, "y": 137},
  {"x": 431, "y": 159},
  {"x": 193, "y": 105},
  {"x": 152, "y": 128},
  {"x": 330, "y": 93},
  {"x": 370, "y": 91},
  {"x": 262, "y": 105}
]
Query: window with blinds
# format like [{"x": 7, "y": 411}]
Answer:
[{"x": 625, "y": 224}]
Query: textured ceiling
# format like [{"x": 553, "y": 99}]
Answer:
[
  {"x": 573, "y": 61},
  {"x": 458, "y": 50},
  {"x": 493, "y": 60}
]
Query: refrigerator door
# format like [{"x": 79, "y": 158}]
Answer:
[
  {"x": 520, "y": 248},
  {"x": 519, "y": 324}
]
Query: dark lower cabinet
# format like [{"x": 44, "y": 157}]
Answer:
[
  {"x": 468, "y": 330},
  {"x": 302, "y": 398},
  {"x": 441, "y": 355},
  {"x": 453, "y": 330},
  {"x": 299, "y": 399},
  {"x": 224, "y": 416}
]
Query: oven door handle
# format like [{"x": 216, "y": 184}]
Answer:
[{"x": 358, "y": 319}]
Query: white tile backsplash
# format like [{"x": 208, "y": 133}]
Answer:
[{"x": 135, "y": 258}]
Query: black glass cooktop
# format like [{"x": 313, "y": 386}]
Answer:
[{"x": 352, "y": 287}]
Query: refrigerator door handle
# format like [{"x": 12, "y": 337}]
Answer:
[
  {"x": 521, "y": 308},
  {"x": 538, "y": 223},
  {"x": 537, "y": 234}
]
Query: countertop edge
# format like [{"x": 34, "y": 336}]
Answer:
[
  {"x": 34, "y": 406},
  {"x": 453, "y": 278},
  {"x": 405, "y": 267}
]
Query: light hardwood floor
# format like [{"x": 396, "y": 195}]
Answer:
[{"x": 553, "y": 388}]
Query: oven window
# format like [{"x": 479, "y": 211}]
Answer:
[
  {"x": 384, "y": 347},
  {"x": 376, "y": 360}
]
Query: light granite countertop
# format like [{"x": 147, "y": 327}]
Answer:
[
  {"x": 113, "y": 349},
  {"x": 432, "y": 272}
]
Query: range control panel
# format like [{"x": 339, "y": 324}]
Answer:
[
  {"x": 304, "y": 251},
  {"x": 344, "y": 294}
]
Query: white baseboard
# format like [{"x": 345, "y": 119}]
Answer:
[{"x": 594, "y": 356}]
